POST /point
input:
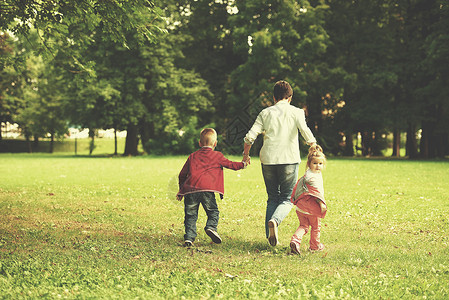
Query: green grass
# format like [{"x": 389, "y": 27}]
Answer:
[{"x": 81, "y": 227}]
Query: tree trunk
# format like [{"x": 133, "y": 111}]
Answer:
[
  {"x": 52, "y": 142},
  {"x": 376, "y": 148},
  {"x": 35, "y": 143},
  {"x": 411, "y": 145},
  {"x": 366, "y": 143},
  {"x": 428, "y": 145},
  {"x": 115, "y": 141},
  {"x": 443, "y": 145},
  {"x": 28, "y": 141},
  {"x": 396, "y": 143},
  {"x": 349, "y": 144},
  {"x": 92, "y": 141},
  {"x": 146, "y": 133},
  {"x": 131, "y": 141}
]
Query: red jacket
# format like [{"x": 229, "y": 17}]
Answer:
[{"x": 203, "y": 172}]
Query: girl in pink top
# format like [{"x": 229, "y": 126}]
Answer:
[{"x": 308, "y": 198}]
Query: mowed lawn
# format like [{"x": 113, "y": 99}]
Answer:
[{"x": 109, "y": 228}]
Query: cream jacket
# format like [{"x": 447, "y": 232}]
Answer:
[{"x": 280, "y": 124}]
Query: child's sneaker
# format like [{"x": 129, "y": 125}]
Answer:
[
  {"x": 295, "y": 244},
  {"x": 188, "y": 243},
  {"x": 295, "y": 248},
  {"x": 213, "y": 235},
  {"x": 273, "y": 233}
]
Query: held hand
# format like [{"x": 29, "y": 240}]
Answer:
[
  {"x": 179, "y": 197},
  {"x": 246, "y": 159}
]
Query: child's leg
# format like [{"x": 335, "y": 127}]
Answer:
[
  {"x": 303, "y": 226},
  {"x": 315, "y": 224},
  {"x": 300, "y": 232},
  {"x": 191, "y": 205},
  {"x": 210, "y": 206}
]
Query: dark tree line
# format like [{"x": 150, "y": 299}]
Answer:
[{"x": 367, "y": 69}]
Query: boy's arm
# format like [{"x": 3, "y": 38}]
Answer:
[
  {"x": 233, "y": 165},
  {"x": 182, "y": 177}
]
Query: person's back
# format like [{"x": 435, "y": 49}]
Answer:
[
  {"x": 281, "y": 124},
  {"x": 203, "y": 171},
  {"x": 200, "y": 178},
  {"x": 279, "y": 154}
]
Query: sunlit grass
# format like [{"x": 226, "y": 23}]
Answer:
[{"x": 81, "y": 227}]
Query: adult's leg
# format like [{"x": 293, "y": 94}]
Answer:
[
  {"x": 272, "y": 186},
  {"x": 288, "y": 175}
]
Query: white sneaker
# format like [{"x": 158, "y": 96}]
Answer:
[{"x": 214, "y": 236}]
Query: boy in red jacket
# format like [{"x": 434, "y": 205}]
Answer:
[{"x": 199, "y": 180}]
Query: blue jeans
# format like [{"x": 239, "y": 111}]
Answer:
[
  {"x": 191, "y": 206},
  {"x": 279, "y": 182}
]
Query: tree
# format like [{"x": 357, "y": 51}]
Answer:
[
  {"x": 207, "y": 47},
  {"x": 363, "y": 45},
  {"x": 67, "y": 31},
  {"x": 173, "y": 98},
  {"x": 43, "y": 94},
  {"x": 58, "y": 20},
  {"x": 279, "y": 40},
  {"x": 434, "y": 92},
  {"x": 9, "y": 82}
]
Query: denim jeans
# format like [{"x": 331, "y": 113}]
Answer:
[
  {"x": 191, "y": 206},
  {"x": 279, "y": 182}
]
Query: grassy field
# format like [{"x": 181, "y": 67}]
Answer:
[{"x": 109, "y": 228}]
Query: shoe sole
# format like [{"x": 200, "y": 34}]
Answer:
[
  {"x": 214, "y": 236},
  {"x": 272, "y": 237},
  {"x": 294, "y": 248}
]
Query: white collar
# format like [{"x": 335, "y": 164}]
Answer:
[{"x": 284, "y": 101}]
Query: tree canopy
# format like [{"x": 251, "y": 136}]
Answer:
[{"x": 363, "y": 70}]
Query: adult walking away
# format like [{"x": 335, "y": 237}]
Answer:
[{"x": 279, "y": 154}]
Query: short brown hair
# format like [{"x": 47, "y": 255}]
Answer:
[
  {"x": 282, "y": 90},
  {"x": 208, "y": 137}
]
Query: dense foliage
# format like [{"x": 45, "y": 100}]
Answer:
[{"x": 363, "y": 70}]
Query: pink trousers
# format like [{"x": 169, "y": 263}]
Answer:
[{"x": 306, "y": 221}]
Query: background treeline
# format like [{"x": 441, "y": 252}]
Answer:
[{"x": 368, "y": 68}]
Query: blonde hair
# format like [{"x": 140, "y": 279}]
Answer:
[
  {"x": 315, "y": 152},
  {"x": 208, "y": 137}
]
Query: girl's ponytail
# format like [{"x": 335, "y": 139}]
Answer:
[{"x": 315, "y": 152}]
